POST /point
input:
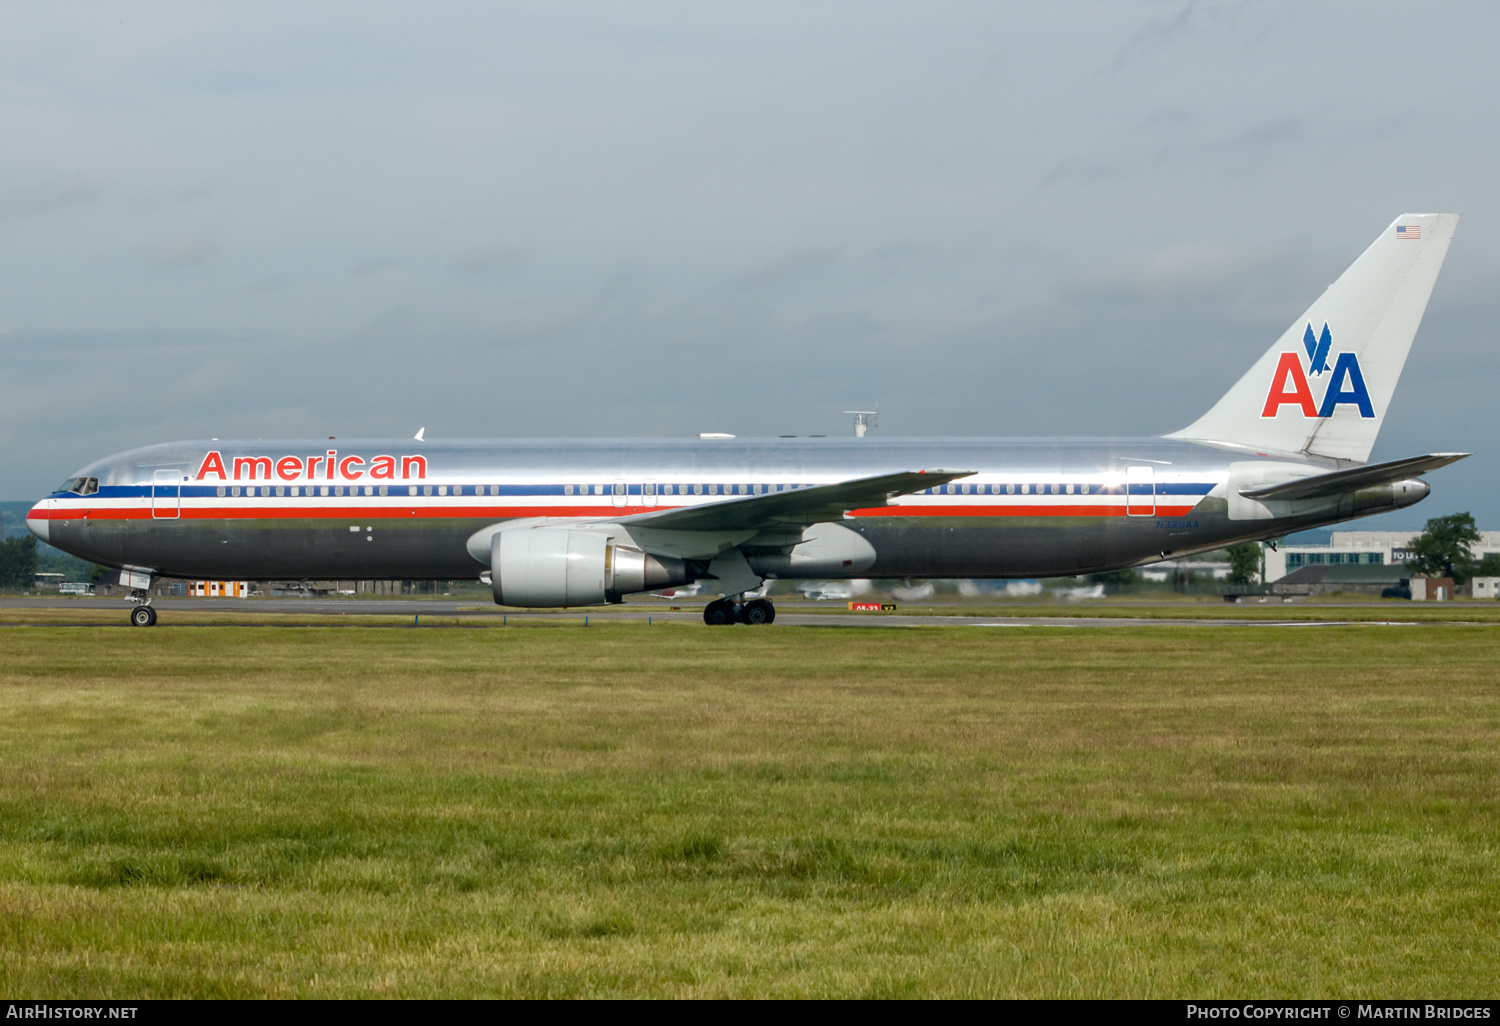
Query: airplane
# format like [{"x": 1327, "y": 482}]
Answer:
[{"x": 567, "y": 523}]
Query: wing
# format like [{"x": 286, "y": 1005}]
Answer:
[
  {"x": 801, "y": 506},
  {"x": 1341, "y": 481}
]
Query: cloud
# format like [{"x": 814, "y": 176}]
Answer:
[
  {"x": 272, "y": 283},
  {"x": 1247, "y": 149},
  {"x": 374, "y": 265},
  {"x": 182, "y": 251},
  {"x": 800, "y": 266},
  {"x": 1085, "y": 171},
  {"x": 48, "y": 197},
  {"x": 495, "y": 260},
  {"x": 1181, "y": 271},
  {"x": 1160, "y": 33},
  {"x": 160, "y": 198},
  {"x": 752, "y": 215}
]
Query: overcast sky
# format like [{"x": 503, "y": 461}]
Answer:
[{"x": 659, "y": 219}]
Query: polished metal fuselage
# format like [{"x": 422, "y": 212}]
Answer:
[{"x": 383, "y": 508}]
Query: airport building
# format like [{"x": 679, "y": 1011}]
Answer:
[
  {"x": 1357, "y": 548},
  {"x": 1485, "y": 587}
]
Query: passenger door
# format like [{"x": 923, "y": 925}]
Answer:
[
  {"x": 1140, "y": 491},
  {"x": 166, "y": 495}
]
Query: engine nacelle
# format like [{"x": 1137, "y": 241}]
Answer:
[{"x": 560, "y": 566}]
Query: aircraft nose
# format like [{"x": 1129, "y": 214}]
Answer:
[{"x": 38, "y": 522}]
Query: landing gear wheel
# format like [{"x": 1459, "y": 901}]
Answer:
[
  {"x": 758, "y": 612},
  {"x": 719, "y": 613},
  {"x": 143, "y": 616}
]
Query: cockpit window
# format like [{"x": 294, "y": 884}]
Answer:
[{"x": 80, "y": 485}]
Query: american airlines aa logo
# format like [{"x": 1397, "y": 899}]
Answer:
[{"x": 1345, "y": 383}]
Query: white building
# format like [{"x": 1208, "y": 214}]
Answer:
[
  {"x": 1485, "y": 587},
  {"x": 1378, "y": 547}
]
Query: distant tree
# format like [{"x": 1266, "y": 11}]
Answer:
[
  {"x": 50, "y": 560},
  {"x": 1244, "y": 562},
  {"x": 1489, "y": 566},
  {"x": 18, "y": 562},
  {"x": 1443, "y": 549}
]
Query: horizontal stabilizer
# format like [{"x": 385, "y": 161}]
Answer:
[
  {"x": 1341, "y": 481},
  {"x": 818, "y": 504}
]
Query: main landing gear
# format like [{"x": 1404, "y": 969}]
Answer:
[{"x": 723, "y": 612}]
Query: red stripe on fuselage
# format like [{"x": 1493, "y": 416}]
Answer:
[{"x": 359, "y": 512}]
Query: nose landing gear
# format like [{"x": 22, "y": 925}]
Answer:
[
  {"x": 722, "y": 612},
  {"x": 142, "y": 615}
]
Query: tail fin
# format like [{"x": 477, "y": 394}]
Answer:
[{"x": 1323, "y": 388}]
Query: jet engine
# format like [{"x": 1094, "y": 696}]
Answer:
[{"x": 559, "y": 566}]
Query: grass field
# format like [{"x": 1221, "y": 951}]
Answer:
[{"x": 673, "y": 810}]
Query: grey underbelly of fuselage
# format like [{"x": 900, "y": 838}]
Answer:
[{"x": 435, "y": 548}]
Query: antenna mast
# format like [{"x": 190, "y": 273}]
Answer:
[{"x": 864, "y": 420}]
